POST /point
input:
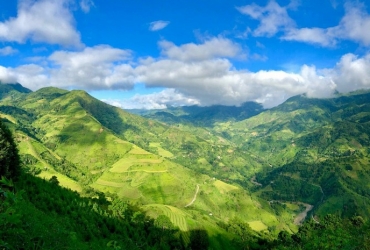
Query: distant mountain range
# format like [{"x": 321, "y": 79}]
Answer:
[{"x": 201, "y": 116}]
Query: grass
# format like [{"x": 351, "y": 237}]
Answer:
[
  {"x": 224, "y": 187},
  {"x": 10, "y": 118},
  {"x": 34, "y": 148},
  {"x": 176, "y": 215},
  {"x": 161, "y": 151},
  {"x": 64, "y": 181},
  {"x": 109, "y": 183},
  {"x": 134, "y": 164},
  {"x": 138, "y": 151},
  {"x": 257, "y": 225}
]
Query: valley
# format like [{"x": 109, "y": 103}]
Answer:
[{"x": 272, "y": 169}]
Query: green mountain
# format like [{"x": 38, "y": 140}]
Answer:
[
  {"x": 203, "y": 168},
  {"x": 92, "y": 147},
  {"x": 312, "y": 150},
  {"x": 39, "y": 214},
  {"x": 201, "y": 116}
]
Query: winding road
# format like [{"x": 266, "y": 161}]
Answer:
[{"x": 195, "y": 197}]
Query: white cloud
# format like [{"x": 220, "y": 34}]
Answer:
[
  {"x": 258, "y": 57},
  {"x": 158, "y": 25},
  {"x": 188, "y": 77},
  {"x": 318, "y": 36},
  {"x": 212, "y": 48},
  {"x": 351, "y": 73},
  {"x": 216, "y": 82},
  {"x": 30, "y": 75},
  {"x": 159, "y": 100},
  {"x": 6, "y": 51},
  {"x": 48, "y": 21},
  {"x": 86, "y": 5},
  {"x": 99, "y": 67},
  {"x": 272, "y": 17},
  {"x": 7, "y": 76},
  {"x": 354, "y": 26}
]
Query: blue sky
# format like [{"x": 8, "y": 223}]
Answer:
[{"x": 151, "y": 54}]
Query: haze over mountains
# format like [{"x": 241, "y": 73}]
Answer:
[{"x": 202, "y": 166}]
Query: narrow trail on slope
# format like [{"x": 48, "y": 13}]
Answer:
[{"x": 195, "y": 197}]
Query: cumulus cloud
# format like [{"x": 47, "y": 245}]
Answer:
[
  {"x": 323, "y": 37},
  {"x": 159, "y": 100},
  {"x": 217, "y": 82},
  {"x": 158, "y": 25},
  {"x": 352, "y": 73},
  {"x": 48, "y": 21},
  {"x": 94, "y": 68},
  {"x": 30, "y": 75},
  {"x": 188, "y": 77},
  {"x": 86, "y": 5},
  {"x": 212, "y": 48},
  {"x": 354, "y": 26},
  {"x": 6, "y": 51},
  {"x": 7, "y": 76},
  {"x": 272, "y": 18},
  {"x": 99, "y": 67}
]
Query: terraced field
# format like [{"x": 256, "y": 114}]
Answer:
[
  {"x": 257, "y": 225},
  {"x": 138, "y": 162},
  {"x": 224, "y": 187},
  {"x": 176, "y": 215},
  {"x": 29, "y": 146},
  {"x": 161, "y": 151}
]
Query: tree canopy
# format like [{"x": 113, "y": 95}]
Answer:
[{"x": 9, "y": 158}]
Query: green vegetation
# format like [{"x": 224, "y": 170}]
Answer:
[
  {"x": 208, "y": 178},
  {"x": 9, "y": 159}
]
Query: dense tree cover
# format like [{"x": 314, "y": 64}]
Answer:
[
  {"x": 9, "y": 158},
  {"x": 331, "y": 232},
  {"x": 46, "y": 216}
]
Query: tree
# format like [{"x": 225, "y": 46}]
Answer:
[
  {"x": 54, "y": 180},
  {"x": 9, "y": 158},
  {"x": 198, "y": 239},
  {"x": 244, "y": 234},
  {"x": 163, "y": 222}
]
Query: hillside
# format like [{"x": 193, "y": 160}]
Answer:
[
  {"x": 314, "y": 151},
  {"x": 91, "y": 147},
  {"x": 303, "y": 159}
]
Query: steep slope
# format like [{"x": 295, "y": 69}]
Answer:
[
  {"x": 92, "y": 147},
  {"x": 312, "y": 150}
]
